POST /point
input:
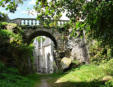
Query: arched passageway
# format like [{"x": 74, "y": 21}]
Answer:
[
  {"x": 43, "y": 54},
  {"x": 42, "y": 33}
]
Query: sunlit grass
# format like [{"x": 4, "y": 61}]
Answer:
[
  {"x": 84, "y": 76},
  {"x": 84, "y": 73}
]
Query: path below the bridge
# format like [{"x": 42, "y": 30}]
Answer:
[
  {"x": 44, "y": 83},
  {"x": 48, "y": 80}
]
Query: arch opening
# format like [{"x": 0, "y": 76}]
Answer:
[
  {"x": 42, "y": 33},
  {"x": 43, "y": 52}
]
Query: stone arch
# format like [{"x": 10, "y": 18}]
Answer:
[{"x": 42, "y": 33}]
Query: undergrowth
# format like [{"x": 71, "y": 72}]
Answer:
[{"x": 10, "y": 77}]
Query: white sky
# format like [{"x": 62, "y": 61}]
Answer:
[{"x": 25, "y": 10}]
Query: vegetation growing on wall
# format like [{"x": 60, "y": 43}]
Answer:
[{"x": 12, "y": 49}]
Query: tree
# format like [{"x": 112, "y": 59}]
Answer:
[
  {"x": 55, "y": 8},
  {"x": 97, "y": 15},
  {"x": 100, "y": 20},
  {"x": 3, "y": 17},
  {"x": 10, "y": 5}
]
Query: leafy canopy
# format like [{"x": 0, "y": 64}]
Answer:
[
  {"x": 96, "y": 15},
  {"x": 100, "y": 19},
  {"x": 53, "y": 9},
  {"x": 10, "y": 5}
]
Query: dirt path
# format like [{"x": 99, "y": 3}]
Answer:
[{"x": 44, "y": 83}]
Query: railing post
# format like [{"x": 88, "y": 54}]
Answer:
[
  {"x": 28, "y": 22},
  {"x": 31, "y": 22},
  {"x": 35, "y": 22},
  {"x": 24, "y": 22}
]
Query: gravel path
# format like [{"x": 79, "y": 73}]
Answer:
[{"x": 44, "y": 83}]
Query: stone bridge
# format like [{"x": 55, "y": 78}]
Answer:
[
  {"x": 77, "y": 48},
  {"x": 33, "y": 28}
]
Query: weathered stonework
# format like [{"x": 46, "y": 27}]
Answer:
[
  {"x": 74, "y": 48},
  {"x": 78, "y": 49},
  {"x": 52, "y": 33}
]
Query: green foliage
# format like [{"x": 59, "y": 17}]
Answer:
[
  {"x": 3, "y": 24},
  {"x": 75, "y": 62},
  {"x": 18, "y": 53},
  {"x": 96, "y": 15},
  {"x": 22, "y": 54},
  {"x": 54, "y": 9},
  {"x": 108, "y": 67},
  {"x": 2, "y": 67},
  {"x": 10, "y": 5},
  {"x": 98, "y": 53},
  {"x": 99, "y": 18},
  {"x": 108, "y": 84},
  {"x": 8, "y": 34},
  {"x": 3, "y": 17},
  {"x": 10, "y": 77},
  {"x": 39, "y": 39}
]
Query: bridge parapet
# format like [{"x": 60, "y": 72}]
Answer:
[
  {"x": 34, "y": 22},
  {"x": 25, "y": 21}
]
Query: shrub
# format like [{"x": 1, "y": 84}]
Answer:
[
  {"x": 98, "y": 53},
  {"x": 108, "y": 84},
  {"x": 108, "y": 67}
]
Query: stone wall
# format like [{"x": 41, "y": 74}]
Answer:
[
  {"x": 71, "y": 47},
  {"x": 75, "y": 48},
  {"x": 78, "y": 49}
]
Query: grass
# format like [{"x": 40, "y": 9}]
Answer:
[
  {"x": 84, "y": 76},
  {"x": 36, "y": 79},
  {"x": 10, "y": 77},
  {"x": 84, "y": 73},
  {"x": 12, "y": 80}
]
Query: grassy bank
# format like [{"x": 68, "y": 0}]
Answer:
[
  {"x": 12, "y": 80},
  {"x": 85, "y": 76},
  {"x": 10, "y": 77}
]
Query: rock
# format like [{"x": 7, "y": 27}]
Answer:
[
  {"x": 78, "y": 49},
  {"x": 77, "y": 54},
  {"x": 107, "y": 78},
  {"x": 65, "y": 62}
]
